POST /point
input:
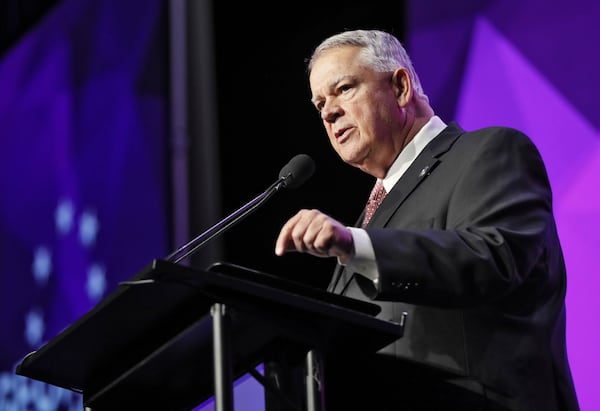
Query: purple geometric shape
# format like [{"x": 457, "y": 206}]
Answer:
[
  {"x": 560, "y": 40},
  {"x": 450, "y": 39},
  {"x": 501, "y": 87}
]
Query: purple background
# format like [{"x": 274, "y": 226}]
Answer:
[
  {"x": 83, "y": 175},
  {"x": 531, "y": 65}
]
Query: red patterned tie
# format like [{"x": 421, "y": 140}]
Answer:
[{"x": 377, "y": 195}]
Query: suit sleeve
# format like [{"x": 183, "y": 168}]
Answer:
[{"x": 490, "y": 233}]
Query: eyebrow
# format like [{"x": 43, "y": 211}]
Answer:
[{"x": 333, "y": 84}]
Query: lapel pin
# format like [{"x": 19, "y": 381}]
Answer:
[{"x": 423, "y": 171}]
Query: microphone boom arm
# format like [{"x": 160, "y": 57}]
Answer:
[{"x": 192, "y": 246}]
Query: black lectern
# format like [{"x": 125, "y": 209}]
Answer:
[{"x": 173, "y": 336}]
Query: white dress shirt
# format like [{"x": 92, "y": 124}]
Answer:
[{"x": 363, "y": 260}]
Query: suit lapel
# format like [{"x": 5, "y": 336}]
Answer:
[{"x": 420, "y": 169}]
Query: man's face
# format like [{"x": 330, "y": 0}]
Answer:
[{"x": 358, "y": 107}]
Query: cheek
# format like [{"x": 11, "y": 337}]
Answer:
[
  {"x": 384, "y": 118},
  {"x": 367, "y": 122},
  {"x": 329, "y": 131},
  {"x": 332, "y": 139}
]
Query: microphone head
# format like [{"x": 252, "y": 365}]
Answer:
[{"x": 297, "y": 171}]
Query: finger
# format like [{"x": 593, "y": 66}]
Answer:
[
  {"x": 318, "y": 235},
  {"x": 324, "y": 238},
  {"x": 284, "y": 242},
  {"x": 334, "y": 240},
  {"x": 300, "y": 232}
]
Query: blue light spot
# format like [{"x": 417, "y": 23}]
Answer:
[
  {"x": 42, "y": 265},
  {"x": 96, "y": 282},
  {"x": 63, "y": 216},
  {"x": 88, "y": 228},
  {"x": 34, "y": 328}
]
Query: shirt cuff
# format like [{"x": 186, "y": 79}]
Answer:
[{"x": 363, "y": 260}]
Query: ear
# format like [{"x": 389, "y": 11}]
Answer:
[{"x": 402, "y": 86}]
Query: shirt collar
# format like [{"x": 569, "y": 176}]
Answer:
[{"x": 432, "y": 128}]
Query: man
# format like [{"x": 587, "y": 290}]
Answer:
[{"x": 464, "y": 242}]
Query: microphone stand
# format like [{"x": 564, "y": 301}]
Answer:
[{"x": 193, "y": 245}]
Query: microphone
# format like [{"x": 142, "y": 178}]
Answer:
[{"x": 299, "y": 169}]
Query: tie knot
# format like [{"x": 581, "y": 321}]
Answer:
[{"x": 378, "y": 193}]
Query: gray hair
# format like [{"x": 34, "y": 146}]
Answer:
[{"x": 380, "y": 50}]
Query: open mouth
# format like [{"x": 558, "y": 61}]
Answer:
[{"x": 342, "y": 133}]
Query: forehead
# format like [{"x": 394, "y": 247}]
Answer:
[{"x": 334, "y": 64}]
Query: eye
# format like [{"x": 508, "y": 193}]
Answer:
[
  {"x": 319, "y": 106},
  {"x": 343, "y": 88}
]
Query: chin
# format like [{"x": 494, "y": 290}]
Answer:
[{"x": 353, "y": 158}]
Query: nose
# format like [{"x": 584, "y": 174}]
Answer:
[{"x": 330, "y": 112}]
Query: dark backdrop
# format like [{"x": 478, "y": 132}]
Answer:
[{"x": 265, "y": 118}]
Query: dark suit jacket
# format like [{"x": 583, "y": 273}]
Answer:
[{"x": 475, "y": 260}]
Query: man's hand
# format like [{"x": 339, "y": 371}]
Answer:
[{"x": 311, "y": 231}]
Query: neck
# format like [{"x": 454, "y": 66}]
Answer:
[{"x": 417, "y": 115}]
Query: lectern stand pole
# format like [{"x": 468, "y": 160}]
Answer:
[
  {"x": 314, "y": 382},
  {"x": 222, "y": 358}
]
